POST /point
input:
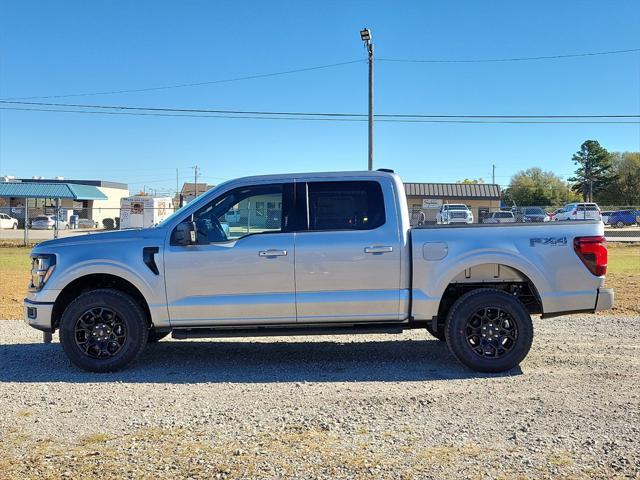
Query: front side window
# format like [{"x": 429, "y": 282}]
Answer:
[
  {"x": 349, "y": 205},
  {"x": 239, "y": 213}
]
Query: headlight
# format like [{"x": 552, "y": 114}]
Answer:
[{"x": 42, "y": 267}]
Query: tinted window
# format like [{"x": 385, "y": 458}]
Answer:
[{"x": 345, "y": 205}]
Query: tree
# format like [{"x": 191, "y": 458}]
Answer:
[
  {"x": 537, "y": 187},
  {"x": 625, "y": 188},
  {"x": 472, "y": 181},
  {"x": 594, "y": 173}
]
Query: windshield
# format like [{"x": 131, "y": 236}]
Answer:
[{"x": 457, "y": 207}]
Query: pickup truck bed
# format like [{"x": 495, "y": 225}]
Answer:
[{"x": 310, "y": 254}]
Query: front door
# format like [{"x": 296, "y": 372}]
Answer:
[
  {"x": 241, "y": 269},
  {"x": 348, "y": 258}
]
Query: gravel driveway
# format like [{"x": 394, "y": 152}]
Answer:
[{"x": 377, "y": 406}]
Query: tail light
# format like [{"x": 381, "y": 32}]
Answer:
[{"x": 593, "y": 253}]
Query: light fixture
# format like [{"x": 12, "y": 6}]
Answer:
[{"x": 365, "y": 35}]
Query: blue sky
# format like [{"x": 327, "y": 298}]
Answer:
[{"x": 58, "y": 48}]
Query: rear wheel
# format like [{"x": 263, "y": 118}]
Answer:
[
  {"x": 103, "y": 330},
  {"x": 619, "y": 224},
  {"x": 489, "y": 330}
]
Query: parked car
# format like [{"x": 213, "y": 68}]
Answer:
[
  {"x": 87, "y": 223},
  {"x": 500, "y": 217},
  {"x": 579, "y": 211},
  {"x": 8, "y": 222},
  {"x": 454, "y": 213},
  {"x": 605, "y": 216},
  {"x": 531, "y": 215},
  {"x": 552, "y": 215},
  {"x": 622, "y": 218},
  {"x": 48, "y": 222},
  {"x": 343, "y": 260}
]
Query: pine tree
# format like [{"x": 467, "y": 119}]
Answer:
[{"x": 594, "y": 172}]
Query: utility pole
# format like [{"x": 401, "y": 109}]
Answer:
[
  {"x": 493, "y": 174},
  {"x": 365, "y": 35},
  {"x": 195, "y": 180},
  {"x": 177, "y": 184}
]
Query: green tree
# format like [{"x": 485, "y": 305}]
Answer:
[
  {"x": 594, "y": 173},
  {"x": 625, "y": 189},
  {"x": 537, "y": 187},
  {"x": 472, "y": 181}
]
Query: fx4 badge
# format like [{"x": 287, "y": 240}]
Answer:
[{"x": 551, "y": 241}]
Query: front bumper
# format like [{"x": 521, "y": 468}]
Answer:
[
  {"x": 38, "y": 314},
  {"x": 605, "y": 299}
]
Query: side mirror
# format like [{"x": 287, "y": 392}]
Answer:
[{"x": 185, "y": 234}]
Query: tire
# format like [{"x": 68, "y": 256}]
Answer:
[
  {"x": 438, "y": 334},
  {"x": 155, "y": 336},
  {"x": 15, "y": 226},
  {"x": 123, "y": 327},
  {"x": 508, "y": 342},
  {"x": 620, "y": 224}
]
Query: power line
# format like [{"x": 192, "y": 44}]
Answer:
[
  {"x": 194, "y": 84},
  {"x": 513, "y": 59},
  {"x": 320, "y": 67},
  {"x": 324, "y": 119},
  {"x": 305, "y": 114}
]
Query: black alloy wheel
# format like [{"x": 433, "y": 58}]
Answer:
[
  {"x": 100, "y": 332},
  {"x": 103, "y": 330},
  {"x": 489, "y": 330}
]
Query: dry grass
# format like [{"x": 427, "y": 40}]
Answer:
[
  {"x": 291, "y": 452},
  {"x": 623, "y": 275}
]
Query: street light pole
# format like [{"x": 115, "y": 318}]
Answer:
[{"x": 365, "y": 35}]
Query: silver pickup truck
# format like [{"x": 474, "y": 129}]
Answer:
[{"x": 319, "y": 253}]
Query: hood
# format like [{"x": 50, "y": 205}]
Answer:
[{"x": 102, "y": 238}]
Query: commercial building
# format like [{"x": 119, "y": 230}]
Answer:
[
  {"x": 481, "y": 198},
  {"x": 95, "y": 200}
]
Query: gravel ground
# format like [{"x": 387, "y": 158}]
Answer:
[{"x": 376, "y": 406}]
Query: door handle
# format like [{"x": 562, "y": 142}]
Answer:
[
  {"x": 272, "y": 253},
  {"x": 378, "y": 249}
]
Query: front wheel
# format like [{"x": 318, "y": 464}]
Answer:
[
  {"x": 619, "y": 224},
  {"x": 103, "y": 330},
  {"x": 489, "y": 330}
]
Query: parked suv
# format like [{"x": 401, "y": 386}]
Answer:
[
  {"x": 579, "y": 211},
  {"x": 454, "y": 213},
  {"x": 623, "y": 218},
  {"x": 48, "y": 222}
]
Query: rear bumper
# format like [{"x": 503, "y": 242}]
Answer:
[
  {"x": 605, "y": 299},
  {"x": 38, "y": 314}
]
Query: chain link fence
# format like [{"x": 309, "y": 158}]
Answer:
[{"x": 621, "y": 221}]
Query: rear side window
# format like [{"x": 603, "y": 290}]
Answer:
[{"x": 345, "y": 205}]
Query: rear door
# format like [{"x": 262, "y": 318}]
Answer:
[{"x": 348, "y": 253}]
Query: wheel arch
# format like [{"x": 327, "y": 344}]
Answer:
[
  {"x": 95, "y": 281},
  {"x": 500, "y": 275}
]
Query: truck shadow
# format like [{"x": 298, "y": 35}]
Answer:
[{"x": 250, "y": 362}]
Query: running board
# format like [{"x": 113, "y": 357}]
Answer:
[{"x": 275, "y": 330}]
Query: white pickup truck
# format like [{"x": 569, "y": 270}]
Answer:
[{"x": 319, "y": 253}]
